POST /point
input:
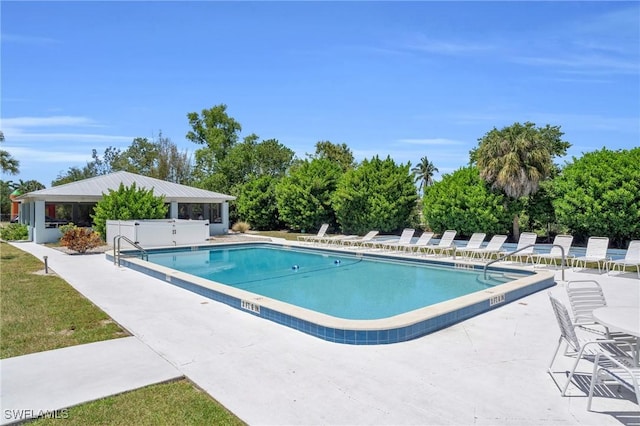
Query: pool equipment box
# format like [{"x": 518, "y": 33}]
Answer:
[{"x": 159, "y": 232}]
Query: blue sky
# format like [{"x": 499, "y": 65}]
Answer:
[{"x": 407, "y": 79}]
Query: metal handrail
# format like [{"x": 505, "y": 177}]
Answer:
[
  {"x": 116, "y": 249},
  {"x": 562, "y": 260}
]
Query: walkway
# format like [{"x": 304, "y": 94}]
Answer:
[{"x": 489, "y": 370}]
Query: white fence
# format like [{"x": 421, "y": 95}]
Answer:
[{"x": 159, "y": 233}]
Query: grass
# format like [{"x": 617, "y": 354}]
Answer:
[
  {"x": 173, "y": 403},
  {"x": 278, "y": 234},
  {"x": 43, "y": 312}
]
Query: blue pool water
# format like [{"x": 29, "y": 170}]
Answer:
[{"x": 343, "y": 286}]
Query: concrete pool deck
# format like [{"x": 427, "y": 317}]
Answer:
[{"x": 487, "y": 370}]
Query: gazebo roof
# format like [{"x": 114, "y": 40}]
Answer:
[{"x": 92, "y": 190}]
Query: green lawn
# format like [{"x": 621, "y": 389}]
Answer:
[
  {"x": 174, "y": 403},
  {"x": 43, "y": 312}
]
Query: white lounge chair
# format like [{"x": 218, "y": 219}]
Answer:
[
  {"x": 311, "y": 238},
  {"x": 596, "y": 252},
  {"x": 405, "y": 238},
  {"x": 494, "y": 246},
  {"x": 631, "y": 258},
  {"x": 422, "y": 241},
  {"x": 525, "y": 246},
  {"x": 444, "y": 245},
  {"x": 356, "y": 242},
  {"x": 475, "y": 242},
  {"x": 581, "y": 348},
  {"x": 556, "y": 252}
]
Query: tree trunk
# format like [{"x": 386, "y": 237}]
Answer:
[{"x": 516, "y": 227}]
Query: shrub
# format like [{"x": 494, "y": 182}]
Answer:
[
  {"x": 257, "y": 203},
  {"x": 14, "y": 231},
  {"x": 81, "y": 239},
  {"x": 379, "y": 194},
  {"x": 125, "y": 204},
  {"x": 304, "y": 195},
  {"x": 464, "y": 202},
  {"x": 599, "y": 194},
  {"x": 240, "y": 227},
  {"x": 66, "y": 228}
]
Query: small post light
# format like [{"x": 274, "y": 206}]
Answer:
[{"x": 46, "y": 264}]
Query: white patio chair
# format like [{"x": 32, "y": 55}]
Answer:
[
  {"x": 475, "y": 242},
  {"x": 494, "y": 246},
  {"x": 310, "y": 238},
  {"x": 581, "y": 348},
  {"x": 525, "y": 247},
  {"x": 564, "y": 241},
  {"x": 405, "y": 238},
  {"x": 584, "y": 297},
  {"x": 422, "y": 241},
  {"x": 445, "y": 244},
  {"x": 631, "y": 258},
  {"x": 596, "y": 252},
  {"x": 614, "y": 371},
  {"x": 356, "y": 242}
]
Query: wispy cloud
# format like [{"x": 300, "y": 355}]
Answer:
[
  {"x": 27, "y": 39},
  {"x": 46, "y": 156},
  {"x": 53, "y": 121},
  {"x": 430, "y": 141},
  {"x": 424, "y": 43},
  {"x": 57, "y": 129}
]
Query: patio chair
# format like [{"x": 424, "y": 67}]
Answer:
[
  {"x": 310, "y": 238},
  {"x": 422, "y": 241},
  {"x": 356, "y": 242},
  {"x": 596, "y": 252},
  {"x": 494, "y": 246},
  {"x": 613, "y": 371},
  {"x": 581, "y": 348},
  {"x": 584, "y": 297},
  {"x": 556, "y": 252},
  {"x": 405, "y": 238},
  {"x": 525, "y": 247},
  {"x": 445, "y": 244},
  {"x": 475, "y": 242},
  {"x": 631, "y": 258}
]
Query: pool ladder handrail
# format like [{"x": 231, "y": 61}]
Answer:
[
  {"x": 116, "y": 249},
  {"x": 562, "y": 260}
]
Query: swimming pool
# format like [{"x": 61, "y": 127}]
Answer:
[{"x": 364, "y": 298}]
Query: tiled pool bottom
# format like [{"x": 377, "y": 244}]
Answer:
[{"x": 394, "y": 329}]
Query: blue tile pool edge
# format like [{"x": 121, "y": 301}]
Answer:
[{"x": 357, "y": 334}]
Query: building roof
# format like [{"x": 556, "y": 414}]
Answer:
[{"x": 92, "y": 190}]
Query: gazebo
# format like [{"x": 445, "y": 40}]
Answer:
[{"x": 44, "y": 211}]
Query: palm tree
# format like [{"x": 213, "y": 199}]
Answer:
[
  {"x": 8, "y": 164},
  {"x": 424, "y": 173},
  {"x": 517, "y": 158}
]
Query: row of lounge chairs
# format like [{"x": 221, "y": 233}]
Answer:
[{"x": 596, "y": 251}]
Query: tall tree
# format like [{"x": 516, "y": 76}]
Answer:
[
  {"x": 8, "y": 164},
  {"x": 73, "y": 174},
  {"x": 515, "y": 159},
  {"x": 424, "y": 172},
  {"x": 215, "y": 129},
  {"x": 340, "y": 154},
  {"x": 218, "y": 132}
]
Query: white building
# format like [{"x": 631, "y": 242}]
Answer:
[{"x": 45, "y": 210}]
